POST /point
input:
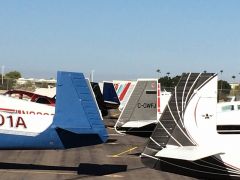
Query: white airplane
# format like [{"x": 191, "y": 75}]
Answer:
[
  {"x": 228, "y": 114},
  {"x": 75, "y": 122},
  {"x": 187, "y": 139}
]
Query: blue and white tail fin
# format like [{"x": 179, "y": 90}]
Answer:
[
  {"x": 110, "y": 96},
  {"x": 76, "y": 110}
]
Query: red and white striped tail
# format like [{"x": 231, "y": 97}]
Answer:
[{"x": 124, "y": 91}]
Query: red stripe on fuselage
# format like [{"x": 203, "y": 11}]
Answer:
[
  {"x": 7, "y": 110},
  {"x": 23, "y": 111}
]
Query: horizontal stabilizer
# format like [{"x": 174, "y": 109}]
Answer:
[
  {"x": 139, "y": 123},
  {"x": 112, "y": 102},
  {"x": 190, "y": 153}
]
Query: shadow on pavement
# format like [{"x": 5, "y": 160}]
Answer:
[
  {"x": 100, "y": 170},
  {"x": 82, "y": 169}
]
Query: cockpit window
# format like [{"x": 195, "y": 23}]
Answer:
[
  {"x": 42, "y": 101},
  {"x": 228, "y": 108},
  {"x": 238, "y": 107}
]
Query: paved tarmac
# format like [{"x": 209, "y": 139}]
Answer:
[{"x": 117, "y": 159}]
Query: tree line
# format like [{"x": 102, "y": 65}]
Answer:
[
  {"x": 224, "y": 88},
  {"x": 167, "y": 82},
  {"x": 8, "y": 80}
]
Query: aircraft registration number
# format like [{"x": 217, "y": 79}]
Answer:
[{"x": 13, "y": 122}]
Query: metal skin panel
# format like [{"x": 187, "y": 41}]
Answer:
[
  {"x": 48, "y": 139},
  {"x": 142, "y": 104},
  {"x": 146, "y": 107}
]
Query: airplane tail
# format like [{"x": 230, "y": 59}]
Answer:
[
  {"x": 124, "y": 90},
  {"x": 183, "y": 141},
  {"x": 99, "y": 97},
  {"x": 76, "y": 112},
  {"x": 141, "y": 108},
  {"x": 110, "y": 96}
]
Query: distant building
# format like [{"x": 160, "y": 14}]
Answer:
[
  {"x": 37, "y": 82},
  {"x": 234, "y": 85},
  {"x": 21, "y": 81}
]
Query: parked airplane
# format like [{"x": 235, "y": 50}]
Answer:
[
  {"x": 30, "y": 96},
  {"x": 75, "y": 122},
  {"x": 186, "y": 140},
  {"x": 107, "y": 99},
  {"x": 143, "y": 108},
  {"x": 47, "y": 96},
  {"x": 49, "y": 91},
  {"x": 99, "y": 98},
  {"x": 20, "y": 106},
  {"x": 228, "y": 114}
]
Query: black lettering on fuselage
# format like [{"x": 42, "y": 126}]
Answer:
[{"x": 147, "y": 105}]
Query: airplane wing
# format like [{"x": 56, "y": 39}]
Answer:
[{"x": 190, "y": 153}]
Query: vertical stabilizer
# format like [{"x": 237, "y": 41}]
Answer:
[
  {"x": 110, "y": 95},
  {"x": 185, "y": 139},
  {"x": 124, "y": 90},
  {"x": 76, "y": 110},
  {"x": 141, "y": 108},
  {"x": 99, "y": 98}
]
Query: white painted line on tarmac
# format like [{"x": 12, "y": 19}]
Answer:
[
  {"x": 115, "y": 134},
  {"x": 112, "y": 143},
  {"x": 114, "y": 176}
]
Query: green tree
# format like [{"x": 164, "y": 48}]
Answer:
[
  {"x": 224, "y": 89},
  {"x": 166, "y": 82},
  {"x": 10, "y": 79},
  {"x": 175, "y": 80},
  {"x": 224, "y": 85},
  {"x": 13, "y": 75}
]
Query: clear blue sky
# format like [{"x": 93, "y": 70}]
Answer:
[{"x": 120, "y": 39}]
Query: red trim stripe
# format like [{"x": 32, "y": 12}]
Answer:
[
  {"x": 158, "y": 98},
  {"x": 124, "y": 91},
  {"x": 8, "y": 110}
]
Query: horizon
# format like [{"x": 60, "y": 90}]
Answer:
[{"x": 236, "y": 80}]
